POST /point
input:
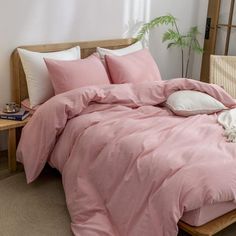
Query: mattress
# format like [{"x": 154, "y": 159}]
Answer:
[{"x": 207, "y": 213}]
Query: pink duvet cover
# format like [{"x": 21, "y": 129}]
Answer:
[{"x": 129, "y": 167}]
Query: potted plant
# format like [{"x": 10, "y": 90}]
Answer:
[{"x": 187, "y": 43}]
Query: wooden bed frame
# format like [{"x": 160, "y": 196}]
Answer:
[
  {"x": 19, "y": 86},
  {"x": 20, "y": 92}
]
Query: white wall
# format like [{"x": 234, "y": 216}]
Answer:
[
  {"x": 53, "y": 21},
  {"x": 189, "y": 13}
]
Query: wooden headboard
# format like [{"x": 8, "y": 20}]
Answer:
[{"x": 20, "y": 91}]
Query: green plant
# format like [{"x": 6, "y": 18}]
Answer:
[{"x": 188, "y": 41}]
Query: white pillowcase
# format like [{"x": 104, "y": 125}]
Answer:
[
  {"x": 37, "y": 77},
  {"x": 188, "y": 103},
  {"x": 120, "y": 52}
]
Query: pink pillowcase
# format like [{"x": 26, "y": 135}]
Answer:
[
  {"x": 68, "y": 75},
  {"x": 25, "y": 104},
  {"x": 135, "y": 67}
]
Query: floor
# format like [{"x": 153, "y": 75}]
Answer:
[{"x": 4, "y": 173}]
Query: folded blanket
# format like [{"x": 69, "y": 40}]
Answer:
[{"x": 228, "y": 120}]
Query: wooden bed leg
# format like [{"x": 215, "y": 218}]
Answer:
[{"x": 12, "y": 149}]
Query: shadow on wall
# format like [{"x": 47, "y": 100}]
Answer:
[
  {"x": 196, "y": 58},
  {"x": 136, "y": 12},
  {"x": 36, "y": 22}
]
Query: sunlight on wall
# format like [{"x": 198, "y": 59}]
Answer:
[{"x": 136, "y": 12}]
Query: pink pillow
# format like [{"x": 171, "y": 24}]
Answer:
[
  {"x": 104, "y": 64},
  {"x": 25, "y": 104},
  {"x": 68, "y": 75},
  {"x": 135, "y": 67}
]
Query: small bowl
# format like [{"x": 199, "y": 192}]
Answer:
[{"x": 13, "y": 110}]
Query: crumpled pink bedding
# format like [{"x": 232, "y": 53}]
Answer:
[{"x": 129, "y": 166}]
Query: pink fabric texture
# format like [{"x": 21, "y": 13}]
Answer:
[
  {"x": 135, "y": 67},
  {"x": 26, "y": 105},
  {"x": 104, "y": 64},
  {"x": 207, "y": 213},
  {"x": 129, "y": 167},
  {"x": 68, "y": 75}
]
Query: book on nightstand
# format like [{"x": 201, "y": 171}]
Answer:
[{"x": 20, "y": 115}]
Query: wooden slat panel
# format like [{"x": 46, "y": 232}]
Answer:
[
  {"x": 231, "y": 12},
  {"x": 20, "y": 91},
  {"x": 223, "y": 72},
  {"x": 209, "y": 44}
]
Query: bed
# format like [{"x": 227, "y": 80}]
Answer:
[{"x": 196, "y": 217}]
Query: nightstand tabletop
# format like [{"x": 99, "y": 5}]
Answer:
[{"x": 9, "y": 124}]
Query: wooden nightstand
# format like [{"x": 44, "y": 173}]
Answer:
[{"x": 11, "y": 126}]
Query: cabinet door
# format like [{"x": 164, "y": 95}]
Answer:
[{"x": 220, "y": 32}]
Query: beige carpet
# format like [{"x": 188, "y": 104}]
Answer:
[{"x": 39, "y": 209}]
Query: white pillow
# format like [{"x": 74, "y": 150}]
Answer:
[
  {"x": 188, "y": 103},
  {"x": 120, "y": 52},
  {"x": 38, "y": 82}
]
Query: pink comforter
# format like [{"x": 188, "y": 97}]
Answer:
[{"x": 129, "y": 167}]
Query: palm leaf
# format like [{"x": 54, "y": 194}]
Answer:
[
  {"x": 174, "y": 38},
  {"x": 170, "y": 45},
  {"x": 194, "y": 31},
  {"x": 196, "y": 46},
  {"x": 162, "y": 20},
  {"x": 170, "y": 35}
]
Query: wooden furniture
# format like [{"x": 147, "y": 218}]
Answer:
[
  {"x": 220, "y": 27},
  {"x": 223, "y": 72},
  {"x": 210, "y": 37},
  {"x": 211, "y": 228},
  {"x": 11, "y": 126},
  {"x": 87, "y": 48},
  {"x": 20, "y": 91}
]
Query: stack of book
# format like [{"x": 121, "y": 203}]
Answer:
[{"x": 20, "y": 115}]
